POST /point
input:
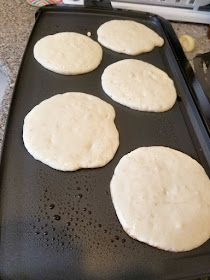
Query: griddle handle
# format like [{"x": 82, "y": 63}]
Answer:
[{"x": 101, "y": 4}]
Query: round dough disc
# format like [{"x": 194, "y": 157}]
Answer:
[
  {"x": 68, "y": 53},
  {"x": 162, "y": 197},
  {"x": 71, "y": 131},
  {"x": 127, "y": 36},
  {"x": 139, "y": 85}
]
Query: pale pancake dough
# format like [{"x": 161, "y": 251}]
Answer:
[
  {"x": 162, "y": 197},
  {"x": 129, "y": 37},
  {"x": 71, "y": 131},
  {"x": 68, "y": 53},
  {"x": 139, "y": 85}
]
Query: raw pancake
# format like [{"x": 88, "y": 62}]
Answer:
[
  {"x": 162, "y": 197},
  {"x": 139, "y": 85},
  {"x": 68, "y": 53},
  {"x": 71, "y": 131},
  {"x": 127, "y": 36}
]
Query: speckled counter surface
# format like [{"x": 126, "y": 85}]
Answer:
[{"x": 16, "y": 21}]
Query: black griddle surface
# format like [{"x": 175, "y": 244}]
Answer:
[{"x": 62, "y": 225}]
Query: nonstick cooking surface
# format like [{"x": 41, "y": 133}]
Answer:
[{"x": 62, "y": 225}]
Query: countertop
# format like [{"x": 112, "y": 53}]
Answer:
[{"x": 16, "y": 21}]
